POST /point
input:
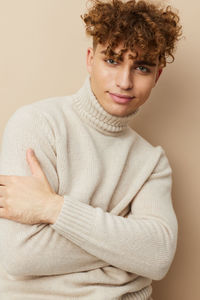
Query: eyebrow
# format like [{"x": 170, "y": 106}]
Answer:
[
  {"x": 138, "y": 62},
  {"x": 144, "y": 62}
]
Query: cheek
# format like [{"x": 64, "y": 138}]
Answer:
[
  {"x": 144, "y": 88},
  {"x": 101, "y": 79},
  {"x": 96, "y": 73},
  {"x": 101, "y": 73}
]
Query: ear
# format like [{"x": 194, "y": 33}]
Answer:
[{"x": 89, "y": 59}]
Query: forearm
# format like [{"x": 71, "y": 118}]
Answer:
[
  {"x": 137, "y": 245},
  {"x": 39, "y": 250}
]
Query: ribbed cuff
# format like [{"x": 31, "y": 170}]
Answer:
[
  {"x": 145, "y": 293},
  {"x": 75, "y": 220}
]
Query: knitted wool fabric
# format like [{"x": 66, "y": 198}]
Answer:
[{"x": 117, "y": 229}]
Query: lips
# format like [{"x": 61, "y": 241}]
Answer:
[{"x": 121, "y": 99}]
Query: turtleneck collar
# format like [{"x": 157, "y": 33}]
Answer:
[{"x": 89, "y": 109}]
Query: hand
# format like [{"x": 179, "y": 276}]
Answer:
[{"x": 29, "y": 199}]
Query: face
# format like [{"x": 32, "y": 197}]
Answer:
[{"x": 121, "y": 86}]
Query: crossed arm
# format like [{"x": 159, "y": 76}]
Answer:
[
  {"x": 30, "y": 200},
  {"x": 144, "y": 243}
]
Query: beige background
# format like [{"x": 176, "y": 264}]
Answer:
[{"x": 42, "y": 54}]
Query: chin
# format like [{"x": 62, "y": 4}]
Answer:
[{"x": 118, "y": 110}]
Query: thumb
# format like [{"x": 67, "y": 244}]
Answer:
[{"x": 34, "y": 164}]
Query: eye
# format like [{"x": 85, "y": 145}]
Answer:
[
  {"x": 111, "y": 61},
  {"x": 143, "y": 69}
]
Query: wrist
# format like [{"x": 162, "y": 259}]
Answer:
[{"x": 55, "y": 208}]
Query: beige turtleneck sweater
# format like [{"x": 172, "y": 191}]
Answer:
[{"x": 116, "y": 230}]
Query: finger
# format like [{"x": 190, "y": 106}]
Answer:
[
  {"x": 1, "y": 202},
  {"x": 2, "y": 212},
  {"x": 34, "y": 164},
  {"x": 3, "y": 190},
  {"x": 5, "y": 180}
]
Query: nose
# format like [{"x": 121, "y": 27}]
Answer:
[{"x": 124, "y": 79}]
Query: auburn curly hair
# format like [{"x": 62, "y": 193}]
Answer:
[{"x": 140, "y": 24}]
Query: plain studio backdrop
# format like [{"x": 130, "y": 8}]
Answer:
[{"x": 42, "y": 54}]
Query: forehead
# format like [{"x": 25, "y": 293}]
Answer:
[{"x": 102, "y": 49}]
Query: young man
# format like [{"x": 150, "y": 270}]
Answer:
[{"x": 95, "y": 219}]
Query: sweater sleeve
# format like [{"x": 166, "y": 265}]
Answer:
[
  {"x": 143, "y": 243},
  {"x": 35, "y": 249}
]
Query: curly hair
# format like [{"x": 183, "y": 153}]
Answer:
[{"x": 137, "y": 24}]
